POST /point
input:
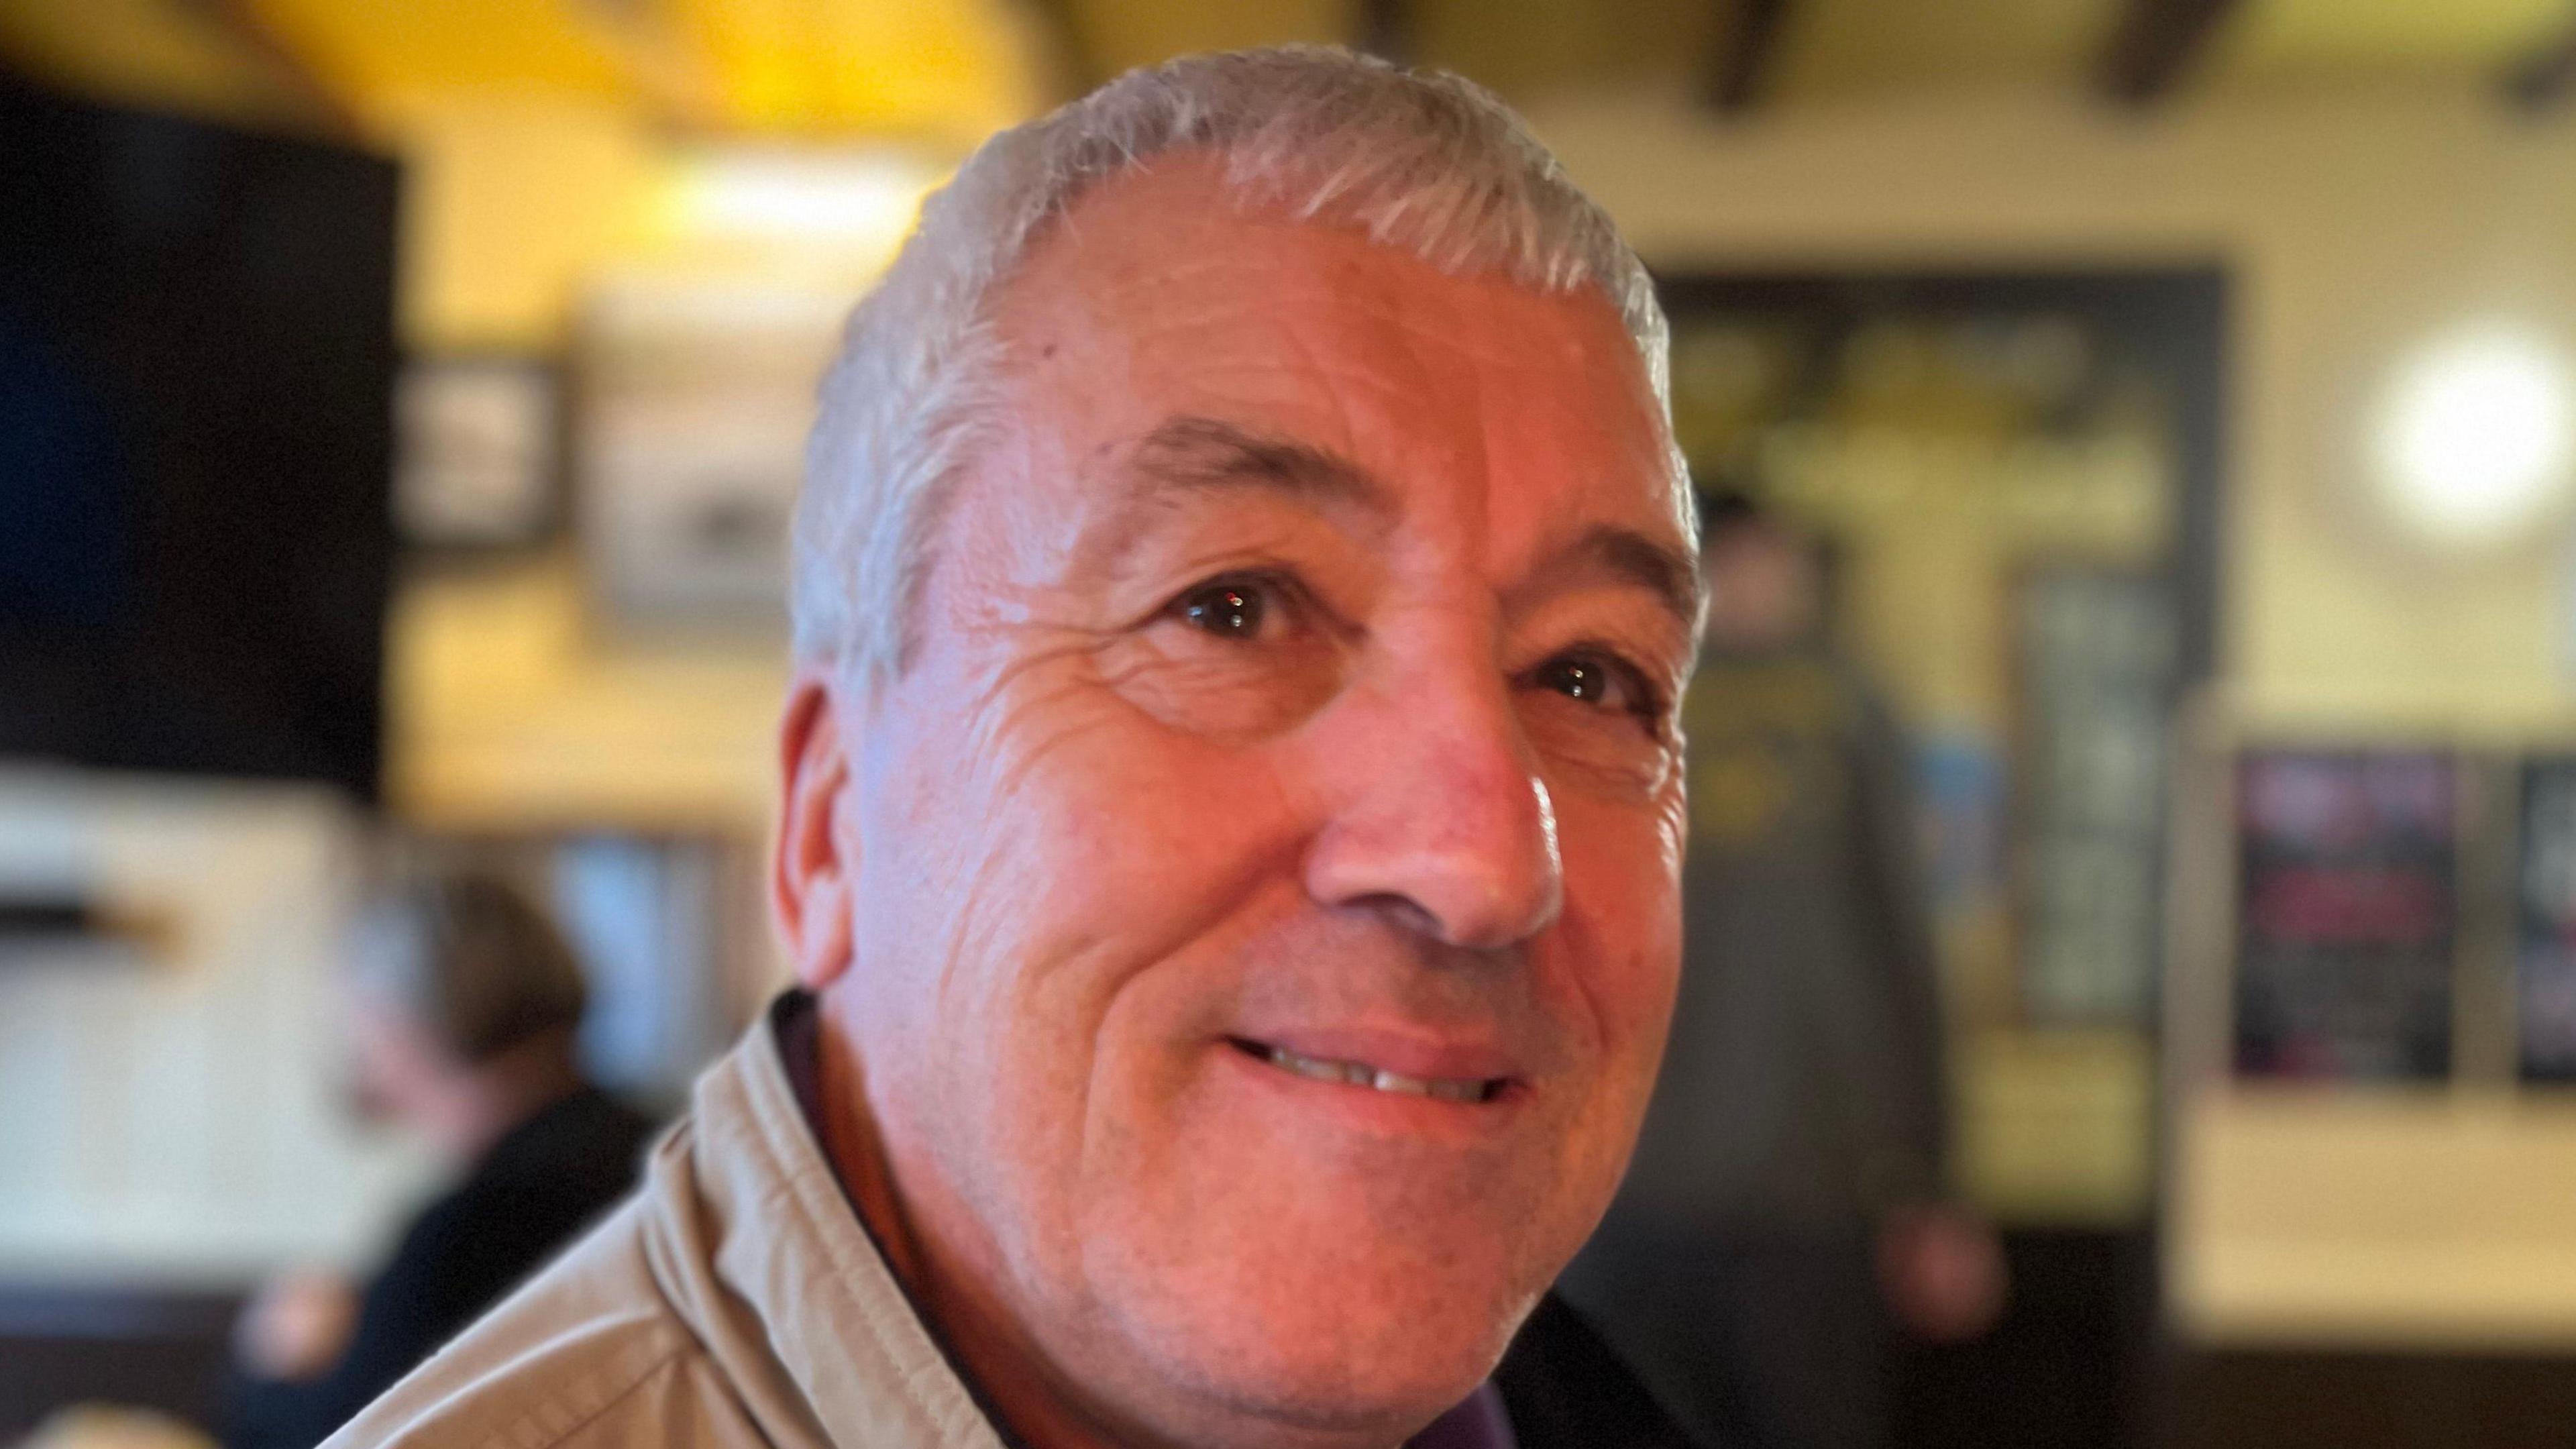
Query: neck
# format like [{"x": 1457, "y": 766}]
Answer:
[{"x": 1001, "y": 1367}]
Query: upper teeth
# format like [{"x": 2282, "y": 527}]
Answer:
[{"x": 1360, "y": 1074}]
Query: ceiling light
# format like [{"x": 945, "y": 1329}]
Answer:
[
  {"x": 2475, "y": 434},
  {"x": 824, "y": 197}
]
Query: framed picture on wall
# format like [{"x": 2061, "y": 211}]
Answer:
[
  {"x": 690, "y": 429},
  {"x": 2096, "y": 661},
  {"x": 2347, "y": 913},
  {"x": 478, "y": 455}
]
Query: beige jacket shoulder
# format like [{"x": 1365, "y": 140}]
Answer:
[{"x": 736, "y": 1300}]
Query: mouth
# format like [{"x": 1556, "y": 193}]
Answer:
[{"x": 1375, "y": 1078}]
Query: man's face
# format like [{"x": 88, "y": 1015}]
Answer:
[
  {"x": 1262, "y": 879},
  {"x": 393, "y": 1066}
]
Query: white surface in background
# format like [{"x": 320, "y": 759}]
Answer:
[{"x": 171, "y": 1114}]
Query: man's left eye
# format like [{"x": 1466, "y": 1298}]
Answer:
[
  {"x": 1227, "y": 610},
  {"x": 1602, "y": 682}
]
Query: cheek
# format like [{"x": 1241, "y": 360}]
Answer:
[
  {"x": 1228, "y": 694},
  {"x": 1623, "y": 920},
  {"x": 1054, "y": 852},
  {"x": 1611, "y": 973}
]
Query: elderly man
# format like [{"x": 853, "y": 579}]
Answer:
[{"x": 1231, "y": 817}]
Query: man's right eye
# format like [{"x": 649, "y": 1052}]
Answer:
[{"x": 1236, "y": 656}]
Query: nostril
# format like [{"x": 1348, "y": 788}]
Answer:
[
  {"x": 1413, "y": 916},
  {"x": 1439, "y": 821}
]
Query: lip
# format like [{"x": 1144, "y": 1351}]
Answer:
[
  {"x": 1412, "y": 1054},
  {"x": 1294, "y": 1106},
  {"x": 1426, "y": 1058}
]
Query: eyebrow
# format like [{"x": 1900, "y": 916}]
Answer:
[
  {"x": 1190, "y": 452},
  {"x": 1636, "y": 558}
]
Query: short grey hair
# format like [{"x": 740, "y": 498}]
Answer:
[{"x": 1422, "y": 161}]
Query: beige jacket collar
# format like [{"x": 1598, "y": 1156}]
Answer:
[{"x": 761, "y": 1256}]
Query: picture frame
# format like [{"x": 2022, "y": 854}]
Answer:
[
  {"x": 479, "y": 452},
  {"x": 2348, "y": 912}
]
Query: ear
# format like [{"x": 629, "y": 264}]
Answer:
[{"x": 815, "y": 863}]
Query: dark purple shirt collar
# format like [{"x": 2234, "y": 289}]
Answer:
[{"x": 1479, "y": 1423}]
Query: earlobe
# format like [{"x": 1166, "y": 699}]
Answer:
[{"x": 815, "y": 859}]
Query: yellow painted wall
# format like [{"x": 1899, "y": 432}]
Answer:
[
  {"x": 509, "y": 710},
  {"x": 510, "y": 202}
]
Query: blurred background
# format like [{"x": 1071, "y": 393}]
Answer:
[{"x": 401, "y": 402}]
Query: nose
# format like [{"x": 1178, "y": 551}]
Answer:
[{"x": 1438, "y": 813}]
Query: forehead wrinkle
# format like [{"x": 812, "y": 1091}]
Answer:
[
  {"x": 1191, "y": 453},
  {"x": 1382, "y": 284},
  {"x": 1188, "y": 457},
  {"x": 1432, "y": 353}
]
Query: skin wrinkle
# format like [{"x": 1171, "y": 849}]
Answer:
[
  {"x": 1393, "y": 316},
  {"x": 1189, "y": 451},
  {"x": 1327, "y": 364},
  {"x": 1623, "y": 555},
  {"x": 1508, "y": 213},
  {"x": 1095, "y": 642},
  {"x": 1479, "y": 462},
  {"x": 1100, "y": 842},
  {"x": 1008, "y": 766},
  {"x": 1110, "y": 556}
]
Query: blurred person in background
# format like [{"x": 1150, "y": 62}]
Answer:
[
  {"x": 1230, "y": 822},
  {"x": 462, "y": 1003},
  {"x": 1786, "y": 1215}
]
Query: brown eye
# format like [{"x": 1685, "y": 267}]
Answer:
[
  {"x": 1582, "y": 679},
  {"x": 1237, "y": 656},
  {"x": 1229, "y": 611},
  {"x": 1601, "y": 681}
]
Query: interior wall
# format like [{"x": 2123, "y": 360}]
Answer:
[
  {"x": 2351, "y": 225},
  {"x": 509, "y": 203}
]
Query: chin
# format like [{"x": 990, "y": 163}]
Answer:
[
  {"x": 1293, "y": 1343},
  {"x": 1283, "y": 1387}
]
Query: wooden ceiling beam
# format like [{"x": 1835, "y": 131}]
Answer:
[
  {"x": 2155, "y": 44},
  {"x": 2546, "y": 78},
  {"x": 1747, "y": 50},
  {"x": 1067, "y": 38},
  {"x": 300, "y": 86},
  {"x": 1386, "y": 30}
]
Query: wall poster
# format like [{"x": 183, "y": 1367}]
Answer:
[
  {"x": 2545, "y": 910},
  {"x": 2347, "y": 914}
]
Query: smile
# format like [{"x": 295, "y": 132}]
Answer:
[{"x": 1361, "y": 1074}]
